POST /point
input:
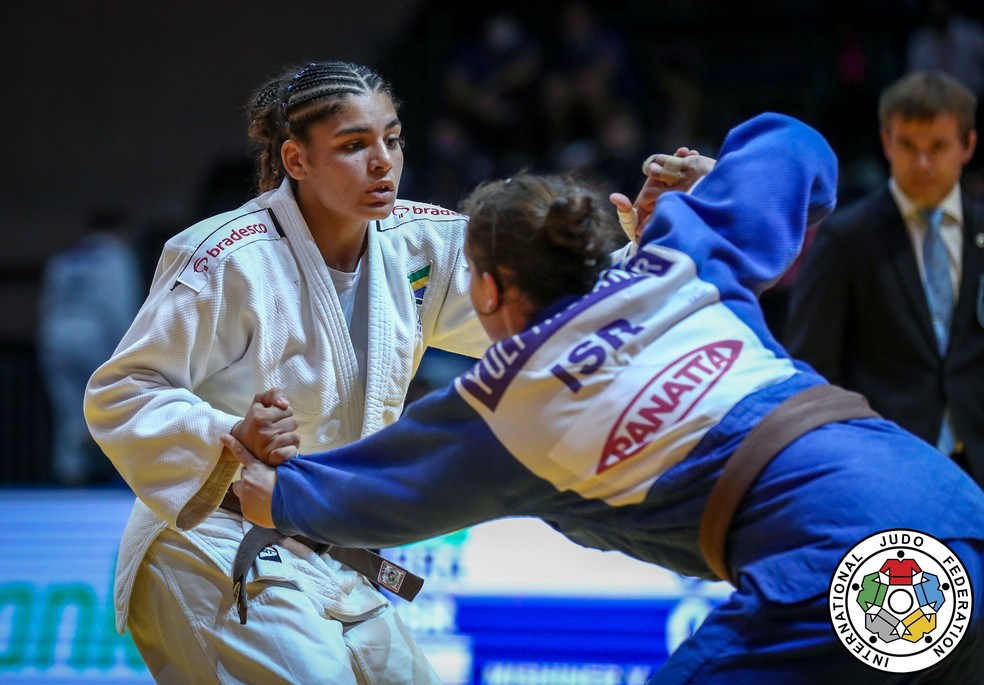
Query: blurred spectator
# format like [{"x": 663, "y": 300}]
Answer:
[
  {"x": 587, "y": 74},
  {"x": 679, "y": 100},
  {"x": 454, "y": 163},
  {"x": 491, "y": 87},
  {"x": 621, "y": 147},
  {"x": 949, "y": 42},
  {"x": 90, "y": 293},
  {"x": 953, "y": 43},
  {"x": 852, "y": 88}
]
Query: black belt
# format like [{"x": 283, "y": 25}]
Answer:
[
  {"x": 394, "y": 578},
  {"x": 799, "y": 414}
]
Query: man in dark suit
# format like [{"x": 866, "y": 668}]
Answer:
[{"x": 868, "y": 313}]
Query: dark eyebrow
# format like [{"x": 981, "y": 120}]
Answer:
[{"x": 365, "y": 129}]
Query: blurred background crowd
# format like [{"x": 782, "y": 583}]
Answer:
[{"x": 128, "y": 125}]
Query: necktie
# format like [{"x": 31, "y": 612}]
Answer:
[
  {"x": 939, "y": 295},
  {"x": 939, "y": 288}
]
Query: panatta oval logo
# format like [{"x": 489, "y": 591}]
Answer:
[
  {"x": 900, "y": 601},
  {"x": 667, "y": 398}
]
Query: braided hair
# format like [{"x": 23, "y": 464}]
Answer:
[
  {"x": 550, "y": 236},
  {"x": 287, "y": 105}
]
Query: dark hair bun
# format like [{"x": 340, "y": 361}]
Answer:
[
  {"x": 569, "y": 223},
  {"x": 550, "y": 236}
]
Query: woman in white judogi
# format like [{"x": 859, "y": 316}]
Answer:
[{"x": 325, "y": 284}]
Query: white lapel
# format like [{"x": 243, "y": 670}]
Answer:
[
  {"x": 326, "y": 309},
  {"x": 382, "y": 337}
]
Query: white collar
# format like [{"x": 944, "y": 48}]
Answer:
[{"x": 952, "y": 204}]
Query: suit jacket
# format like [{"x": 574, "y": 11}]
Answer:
[{"x": 858, "y": 315}]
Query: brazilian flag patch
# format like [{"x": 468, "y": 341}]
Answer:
[{"x": 418, "y": 283}]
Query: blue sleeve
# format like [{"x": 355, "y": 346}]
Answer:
[
  {"x": 775, "y": 176},
  {"x": 436, "y": 470}
]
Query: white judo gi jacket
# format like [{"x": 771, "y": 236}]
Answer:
[{"x": 242, "y": 302}]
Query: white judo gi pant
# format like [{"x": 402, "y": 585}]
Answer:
[{"x": 186, "y": 627}]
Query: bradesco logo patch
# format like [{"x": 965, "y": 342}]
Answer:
[
  {"x": 667, "y": 398},
  {"x": 241, "y": 231},
  {"x": 406, "y": 212},
  {"x": 900, "y": 601}
]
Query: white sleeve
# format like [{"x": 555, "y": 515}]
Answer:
[
  {"x": 141, "y": 405},
  {"x": 455, "y": 327}
]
